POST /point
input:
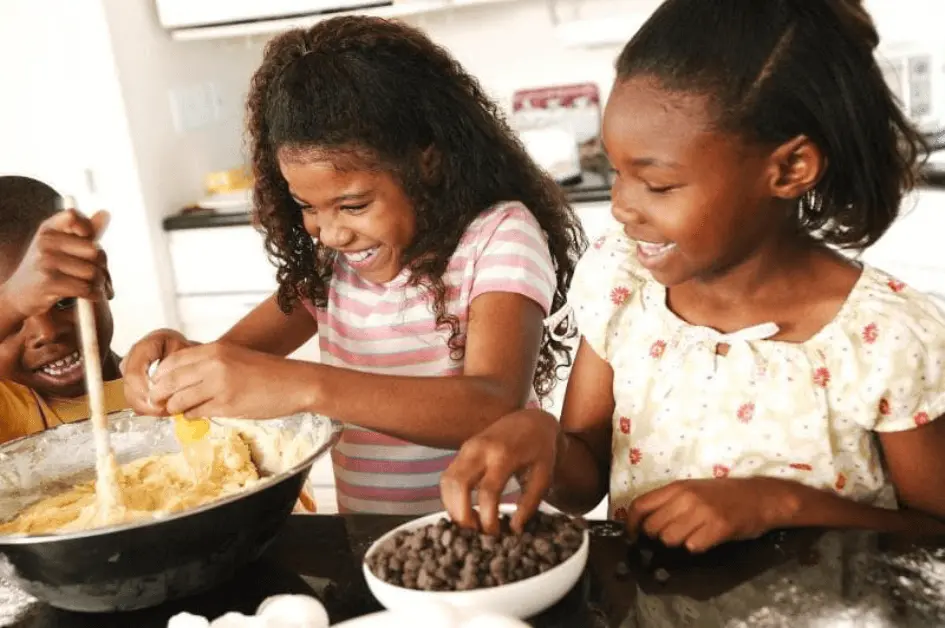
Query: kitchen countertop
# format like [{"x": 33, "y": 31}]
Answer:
[
  {"x": 201, "y": 219},
  {"x": 800, "y": 578},
  {"x": 577, "y": 194}
]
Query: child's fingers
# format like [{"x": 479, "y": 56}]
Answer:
[
  {"x": 533, "y": 492},
  {"x": 177, "y": 381},
  {"x": 155, "y": 346},
  {"x": 490, "y": 494},
  {"x": 648, "y": 503},
  {"x": 456, "y": 486},
  {"x": 72, "y": 222},
  {"x": 187, "y": 356},
  {"x": 55, "y": 242},
  {"x": 704, "y": 538},
  {"x": 666, "y": 515},
  {"x": 675, "y": 532},
  {"x": 76, "y": 268},
  {"x": 99, "y": 222},
  {"x": 192, "y": 401}
]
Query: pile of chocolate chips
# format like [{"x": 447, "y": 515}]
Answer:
[{"x": 445, "y": 557}]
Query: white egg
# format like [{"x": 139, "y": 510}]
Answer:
[
  {"x": 427, "y": 614},
  {"x": 236, "y": 620},
  {"x": 187, "y": 620},
  {"x": 492, "y": 620},
  {"x": 293, "y": 611}
]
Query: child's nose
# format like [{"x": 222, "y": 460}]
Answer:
[
  {"x": 335, "y": 236},
  {"x": 626, "y": 215},
  {"x": 43, "y": 329}
]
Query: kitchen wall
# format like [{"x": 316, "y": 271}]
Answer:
[
  {"x": 508, "y": 46},
  {"x": 62, "y": 120}
]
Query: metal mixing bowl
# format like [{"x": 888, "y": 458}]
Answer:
[{"x": 145, "y": 563}]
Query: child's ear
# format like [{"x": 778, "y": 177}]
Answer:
[{"x": 797, "y": 166}]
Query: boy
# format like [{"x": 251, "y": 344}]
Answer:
[{"x": 48, "y": 258}]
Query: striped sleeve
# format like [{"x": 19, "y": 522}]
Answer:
[{"x": 513, "y": 256}]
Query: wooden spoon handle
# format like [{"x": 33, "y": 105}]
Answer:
[{"x": 92, "y": 361}]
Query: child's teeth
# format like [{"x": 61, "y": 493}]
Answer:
[
  {"x": 63, "y": 365},
  {"x": 360, "y": 256},
  {"x": 655, "y": 249}
]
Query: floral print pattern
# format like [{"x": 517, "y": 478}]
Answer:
[{"x": 804, "y": 412}]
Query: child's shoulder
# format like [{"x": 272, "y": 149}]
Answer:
[
  {"x": 885, "y": 303},
  {"x": 608, "y": 284},
  {"x": 506, "y": 226},
  {"x": 890, "y": 352},
  {"x": 19, "y": 412},
  {"x": 507, "y": 215}
]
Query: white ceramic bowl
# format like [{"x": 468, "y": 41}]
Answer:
[{"x": 520, "y": 599}]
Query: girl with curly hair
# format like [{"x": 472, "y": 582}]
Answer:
[{"x": 413, "y": 234}]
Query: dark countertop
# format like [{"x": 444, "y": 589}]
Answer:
[
  {"x": 593, "y": 190},
  {"x": 801, "y": 578},
  {"x": 201, "y": 219}
]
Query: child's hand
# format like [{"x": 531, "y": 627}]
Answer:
[
  {"x": 157, "y": 345},
  {"x": 221, "y": 380},
  {"x": 701, "y": 514},
  {"x": 63, "y": 261},
  {"x": 522, "y": 444}
]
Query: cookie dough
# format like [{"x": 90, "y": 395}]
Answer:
[{"x": 215, "y": 466}]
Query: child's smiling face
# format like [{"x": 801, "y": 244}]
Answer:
[
  {"x": 364, "y": 215},
  {"x": 46, "y": 350},
  {"x": 698, "y": 200}
]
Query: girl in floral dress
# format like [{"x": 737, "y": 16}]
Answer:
[{"x": 737, "y": 373}]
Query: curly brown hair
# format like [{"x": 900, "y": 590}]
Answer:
[{"x": 384, "y": 93}]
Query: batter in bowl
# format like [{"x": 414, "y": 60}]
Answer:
[{"x": 216, "y": 466}]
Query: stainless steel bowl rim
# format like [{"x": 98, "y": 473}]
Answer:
[{"x": 30, "y": 539}]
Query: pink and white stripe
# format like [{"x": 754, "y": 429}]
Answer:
[{"x": 390, "y": 329}]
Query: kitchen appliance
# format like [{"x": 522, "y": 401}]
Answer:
[
  {"x": 145, "y": 563},
  {"x": 555, "y": 150},
  {"x": 560, "y": 128}
]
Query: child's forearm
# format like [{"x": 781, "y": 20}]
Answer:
[
  {"x": 579, "y": 481},
  {"x": 440, "y": 412},
  {"x": 811, "y": 507}
]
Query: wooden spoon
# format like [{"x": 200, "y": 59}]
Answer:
[{"x": 107, "y": 490}]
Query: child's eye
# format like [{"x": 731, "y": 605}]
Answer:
[
  {"x": 354, "y": 209},
  {"x": 65, "y": 304},
  {"x": 660, "y": 189}
]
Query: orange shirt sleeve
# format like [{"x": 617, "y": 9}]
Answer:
[{"x": 19, "y": 412}]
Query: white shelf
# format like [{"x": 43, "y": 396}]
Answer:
[{"x": 404, "y": 9}]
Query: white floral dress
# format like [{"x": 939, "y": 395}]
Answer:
[{"x": 799, "y": 411}]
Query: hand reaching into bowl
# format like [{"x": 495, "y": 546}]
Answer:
[{"x": 523, "y": 444}]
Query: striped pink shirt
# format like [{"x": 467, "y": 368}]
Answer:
[{"x": 391, "y": 329}]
